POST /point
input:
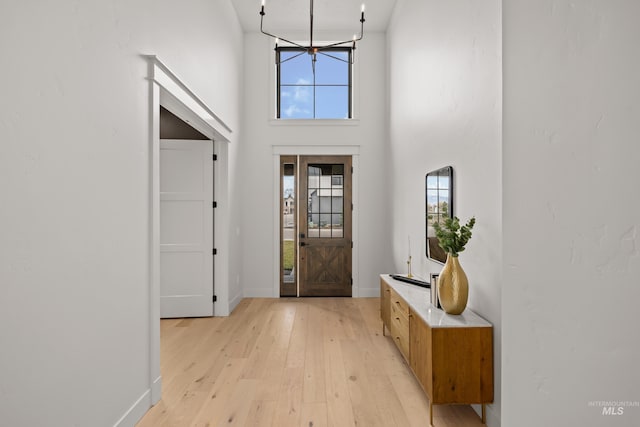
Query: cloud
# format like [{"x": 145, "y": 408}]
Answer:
[
  {"x": 296, "y": 101},
  {"x": 294, "y": 110}
]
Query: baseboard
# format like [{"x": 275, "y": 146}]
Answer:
[
  {"x": 267, "y": 293},
  {"x": 368, "y": 292},
  {"x": 234, "y": 302},
  {"x": 136, "y": 411},
  {"x": 156, "y": 390},
  {"x": 493, "y": 418},
  {"x": 258, "y": 293}
]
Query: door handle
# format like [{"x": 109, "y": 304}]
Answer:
[{"x": 303, "y": 244}]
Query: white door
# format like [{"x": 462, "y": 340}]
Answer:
[{"x": 186, "y": 228}]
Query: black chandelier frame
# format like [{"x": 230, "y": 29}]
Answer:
[{"x": 312, "y": 49}]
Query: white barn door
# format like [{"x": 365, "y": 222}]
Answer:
[{"x": 186, "y": 228}]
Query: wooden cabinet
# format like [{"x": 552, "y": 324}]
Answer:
[
  {"x": 385, "y": 305},
  {"x": 451, "y": 356}
]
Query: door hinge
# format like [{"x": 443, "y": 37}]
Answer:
[
  {"x": 215, "y": 157},
  {"x": 351, "y": 281},
  {"x": 351, "y": 206},
  {"x": 215, "y": 298},
  {"x": 352, "y": 244},
  {"x": 215, "y": 204},
  {"x": 352, "y": 169},
  {"x": 215, "y": 251}
]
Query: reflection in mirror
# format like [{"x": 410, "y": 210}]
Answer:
[{"x": 439, "y": 205}]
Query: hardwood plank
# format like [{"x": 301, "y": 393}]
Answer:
[
  {"x": 291, "y": 362},
  {"x": 340, "y": 410},
  {"x": 289, "y": 406},
  {"x": 314, "y": 414},
  {"x": 236, "y": 412},
  {"x": 219, "y": 396},
  {"x": 360, "y": 385},
  {"x": 298, "y": 341},
  {"x": 261, "y": 413},
  {"x": 314, "y": 389}
]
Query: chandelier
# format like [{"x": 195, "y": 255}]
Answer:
[{"x": 313, "y": 49}]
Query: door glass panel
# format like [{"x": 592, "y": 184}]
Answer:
[
  {"x": 326, "y": 204},
  {"x": 288, "y": 223}
]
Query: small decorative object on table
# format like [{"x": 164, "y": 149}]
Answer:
[
  {"x": 453, "y": 286},
  {"x": 434, "y": 291},
  {"x": 409, "y": 275}
]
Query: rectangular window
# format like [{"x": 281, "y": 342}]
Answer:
[{"x": 314, "y": 85}]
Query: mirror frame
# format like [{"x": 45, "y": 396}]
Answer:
[{"x": 434, "y": 251}]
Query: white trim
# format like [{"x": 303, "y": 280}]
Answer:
[
  {"x": 317, "y": 150},
  {"x": 368, "y": 292},
  {"x": 154, "y": 245},
  {"x": 261, "y": 292},
  {"x": 156, "y": 390},
  {"x": 221, "y": 229},
  {"x": 233, "y": 302},
  {"x": 173, "y": 85},
  {"x": 136, "y": 411},
  {"x": 314, "y": 122},
  {"x": 167, "y": 88}
]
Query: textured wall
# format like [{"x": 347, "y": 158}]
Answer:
[
  {"x": 74, "y": 215},
  {"x": 445, "y": 109},
  {"x": 571, "y": 212}
]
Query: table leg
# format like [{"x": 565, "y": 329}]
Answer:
[
  {"x": 484, "y": 415},
  {"x": 430, "y": 413}
]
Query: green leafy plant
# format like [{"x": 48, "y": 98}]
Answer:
[{"x": 452, "y": 237}]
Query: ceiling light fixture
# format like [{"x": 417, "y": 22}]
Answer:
[{"x": 313, "y": 49}]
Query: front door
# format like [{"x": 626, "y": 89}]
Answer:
[
  {"x": 324, "y": 226},
  {"x": 186, "y": 228}
]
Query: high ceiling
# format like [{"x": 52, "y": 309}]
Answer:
[{"x": 293, "y": 15}]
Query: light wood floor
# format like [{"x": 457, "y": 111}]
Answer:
[{"x": 291, "y": 362}]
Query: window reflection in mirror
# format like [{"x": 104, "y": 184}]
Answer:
[{"x": 439, "y": 205}]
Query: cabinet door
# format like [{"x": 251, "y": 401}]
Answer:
[
  {"x": 462, "y": 360},
  {"x": 420, "y": 352},
  {"x": 385, "y": 303}
]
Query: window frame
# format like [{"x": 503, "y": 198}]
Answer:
[{"x": 350, "y": 53}]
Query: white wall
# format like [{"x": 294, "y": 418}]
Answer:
[
  {"x": 571, "y": 212},
  {"x": 445, "y": 109},
  {"x": 74, "y": 216},
  {"x": 260, "y": 135}
]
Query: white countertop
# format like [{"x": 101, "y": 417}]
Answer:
[{"x": 419, "y": 299}]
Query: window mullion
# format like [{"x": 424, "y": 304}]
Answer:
[{"x": 292, "y": 83}]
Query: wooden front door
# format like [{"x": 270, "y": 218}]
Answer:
[{"x": 324, "y": 225}]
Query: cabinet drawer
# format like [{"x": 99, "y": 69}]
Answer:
[
  {"x": 400, "y": 335},
  {"x": 399, "y": 318},
  {"x": 398, "y": 305}
]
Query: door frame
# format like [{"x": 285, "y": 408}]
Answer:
[
  {"x": 166, "y": 89},
  {"x": 317, "y": 150}
]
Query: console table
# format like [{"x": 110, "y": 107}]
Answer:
[{"x": 450, "y": 355}]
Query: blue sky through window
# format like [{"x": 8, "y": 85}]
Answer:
[{"x": 303, "y": 96}]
